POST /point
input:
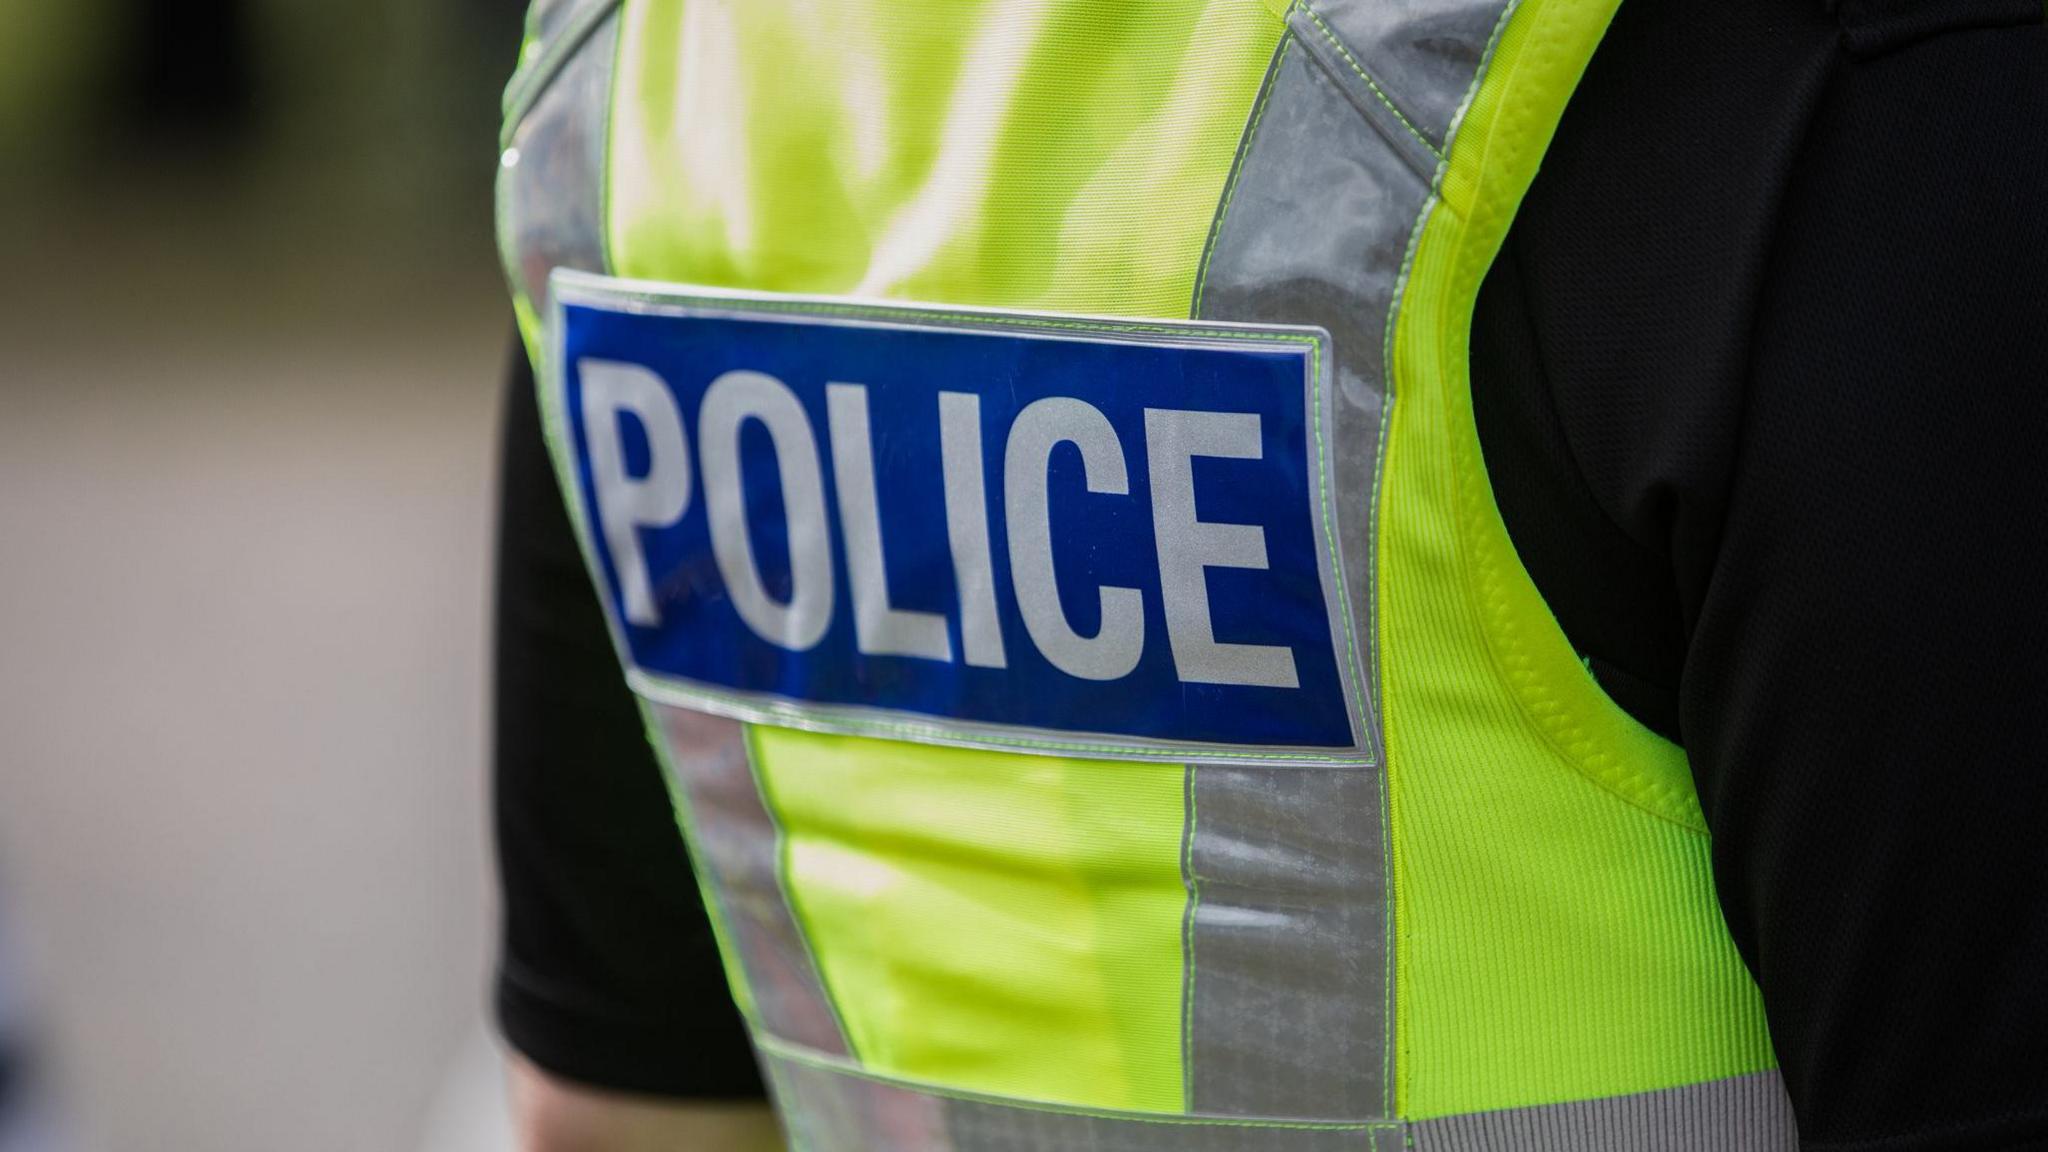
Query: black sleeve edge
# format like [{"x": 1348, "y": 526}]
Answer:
[{"x": 679, "y": 1060}]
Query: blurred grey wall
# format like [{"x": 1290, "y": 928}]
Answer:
[{"x": 248, "y": 374}]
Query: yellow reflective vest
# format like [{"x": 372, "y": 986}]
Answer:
[{"x": 1026, "y": 453}]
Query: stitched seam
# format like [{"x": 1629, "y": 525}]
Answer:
[
  {"x": 1486, "y": 580},
  {"x": 1387, "y": 346},
  {"x": 1328, "y": 507},
  {"x": 1500, "y": 26},
  {"x": 711, "y": 886},
  {"x": 649, "y": 685},
  {"x": 1325, "y": 507},
  {"x": 864, "y": 310},
  {"x": 1303, "y": 7},
  {"x": 529, "y": 85},
  {"x": 1237, "y": 164},
  {"x": 604, "y": 172},
  {"x": 1194, "y": 885},
  {"x": 784, "y": 1050},
  {"x": 751, "y": 747},
  {"x": 1384, "y": 773}
]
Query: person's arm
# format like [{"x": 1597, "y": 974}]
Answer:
[
  {"x": 1762, "y": 379},
  {"x": 555, "y": 1115},
  {"x": 1865, "y": 699},
  {"x": 610, "y": 988}
]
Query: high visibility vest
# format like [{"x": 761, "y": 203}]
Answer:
[{"x": 1026, "y": 452}]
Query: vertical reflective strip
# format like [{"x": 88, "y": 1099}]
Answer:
[
  {"x": 1290, "y": 949},
  {"x": 739, "y": 844},
  {"x": 1743, "y": 1114},
  {"x": 551, "y": 175},
  {"x": 1288, "y": 1003},
  {"x": 1314, "y": 230},
  {"x": 832, "y": 1109},
  {"x": 1291, "y": 962}
]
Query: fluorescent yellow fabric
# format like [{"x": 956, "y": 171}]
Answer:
[
  {"x": 1557, "y": 933},
  {"x": 1058, "y": 154},
  {"x": 1004, "y": 924}
]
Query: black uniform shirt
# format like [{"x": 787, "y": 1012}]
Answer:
[{"x": 1761, "y": 377}]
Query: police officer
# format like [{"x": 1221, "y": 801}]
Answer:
[{"x": 1182, "y": 594}]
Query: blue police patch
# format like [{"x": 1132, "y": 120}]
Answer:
[{"x": 1039, "y": 533}]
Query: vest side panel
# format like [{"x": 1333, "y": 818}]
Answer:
[{"x": 1558, "y": 933}]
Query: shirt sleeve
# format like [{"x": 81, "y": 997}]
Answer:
[
  {"x": 1865, "y": 696},
  {"x": 609, "y": 974},
  {"x": 1762, "y": 381}
]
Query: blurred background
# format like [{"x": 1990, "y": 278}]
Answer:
[{"x": 251, "y": 338}]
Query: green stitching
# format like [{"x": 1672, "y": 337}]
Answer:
[
  {"x": 530, "y": 83},
  {"x": 1386, "y": 418},
  {"x": 797, "y": 919},
  {"x": 1386, "y": 797},
  {"x": 1187, "y": 936},
  {"x": 1303, "y": 7},
  {"x": 1328, "y": 505},
  {"x": 696, "y": 695},
  {"x": 649, "y": 683},
  {"x": 604, "y": 170},
  {"x": 1479, "y": 75},
  {"x": 1237, "y": 169},
  {"x": 820, "y": 1062},
  {"x": 799, "y": 307}
]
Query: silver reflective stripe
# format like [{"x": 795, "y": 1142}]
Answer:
[
  {"x": 1744, "y": 1114},
  {"x": 551, "y": 176},
  {"x": 1290, "y": 962},
  {"x": 1402, "y": 139},
  {"x": 832, "y": 1109},
  {"x": 739, "y": 844},
  {"x": 1421, "y": 54},
  {"x": 1288, "y": 990},
  {"x": 549, "y": 19},
  {"x": 555, "y": 32}
]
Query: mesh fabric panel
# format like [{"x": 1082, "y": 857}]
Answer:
[{"x": 1557, "y": 930}]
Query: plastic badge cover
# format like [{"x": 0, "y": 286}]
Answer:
[{"x": 1064, "y": 534}]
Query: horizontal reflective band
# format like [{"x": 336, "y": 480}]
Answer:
[
  {"x": 1069, "y": 535},
  {"x": 1743, "y": 1114},
  {"x": 832, "y": 1110},
  {"x": 840, "y": 1109}
]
